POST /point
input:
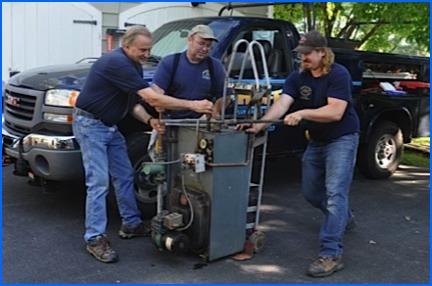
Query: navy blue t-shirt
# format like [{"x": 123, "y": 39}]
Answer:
[
  {"x": 312, "y": 92},
  {"x": 110, "y": 89},
  {"x": 191, "y": 81}
]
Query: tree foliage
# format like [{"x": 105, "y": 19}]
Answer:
[{"x": 402, "y": 27}]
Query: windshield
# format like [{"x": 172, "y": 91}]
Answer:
[{"x": 172, "y": 37}]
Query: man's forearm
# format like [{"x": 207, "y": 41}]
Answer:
[
  {"x": 141, "y": 114},
  {"x": 158, "y": 100},
  {"x": 276, "y": 110}
]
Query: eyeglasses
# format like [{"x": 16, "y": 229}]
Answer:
[{"x": 202, "y": 44}]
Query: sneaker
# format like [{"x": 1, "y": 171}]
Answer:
[
  {"x": 129, "y": 232},
  {"x": 325, "y": 266},
  {"x": 352, "y": 223},
  {"x": 100, "y": 248}
]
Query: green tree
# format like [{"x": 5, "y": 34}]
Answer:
[{"x": 401, "y": 27}]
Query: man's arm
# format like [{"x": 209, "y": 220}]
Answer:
[
  {"x": 277, "y": 109},
  {"x": 217, "y": 109},
  {"x": 332, "y": 112},
  {"x": 139, "y": 112},
  {"x": 157, "y": 88},
  {"x": 162, "y": 101}
]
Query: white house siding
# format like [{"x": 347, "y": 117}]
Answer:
[
  {"x": 37, "y": 34},
  {"x": 155, "y": 14},
  {"x": 6, "y": 40}
]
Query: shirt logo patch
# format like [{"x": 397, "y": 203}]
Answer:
[
  {"x": 206, "y": 74},
  {"x": 305, "y": 92}
]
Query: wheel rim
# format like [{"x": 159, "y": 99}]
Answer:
[
  {"x": 385, "y": 151},
  {"x": 145, "y": 190}
]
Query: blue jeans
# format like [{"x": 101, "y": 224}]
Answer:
[
  {"x": 104, "y": 154},
  {"x": 327, "y": 171}
]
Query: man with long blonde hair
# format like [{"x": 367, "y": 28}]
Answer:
[{"x": 322, "y": 89}]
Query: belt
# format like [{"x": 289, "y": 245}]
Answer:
[{"x": 81, "y": 112}]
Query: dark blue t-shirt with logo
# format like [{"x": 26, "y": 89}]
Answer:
[
  {"x": 191, "y": 81},
  {"x": 312, "y": 92},
  {"x": 110, "y": 89}
]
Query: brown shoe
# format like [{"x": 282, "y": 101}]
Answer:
[
  {"x": 100, "y": 248},
  {"x": 129, "y": 232},
  {"x": 325, "y": 266}
]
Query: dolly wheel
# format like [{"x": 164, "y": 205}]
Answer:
[{"x": 258, "y": 240}]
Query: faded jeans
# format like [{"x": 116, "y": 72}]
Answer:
[
  {"x": 327, "y": 172},
  {"x": 104, "y": 154}
]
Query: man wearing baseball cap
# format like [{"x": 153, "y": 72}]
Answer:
[
  {"x": 192, "y": 74},
  {"x": 322, "y": 90},
  {"x": 311, "y": 41},
  {"x": 204, "y": 32}
]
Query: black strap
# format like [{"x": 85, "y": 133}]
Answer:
[
  {"x": 212, "y": 94},
  {"x": 212, "y": 79},
  {"x": 173, "y": 72},
  {"x": 170, "y": 89}
]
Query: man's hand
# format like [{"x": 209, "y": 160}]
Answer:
[
  {"x": 293, "y": 119},
  {"x": 202, "y": 106},
  {"x": 213, "y": 117},
  {"x": 249, "y": 128},
  {"x": 157, "y": 125},
  {"x": 157, "y": 89}
]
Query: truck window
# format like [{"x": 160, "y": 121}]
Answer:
[
  {"x": 173, "y": 42},
  {"x": 272, "y": 42},
  {"x": 171, "y": 38}
]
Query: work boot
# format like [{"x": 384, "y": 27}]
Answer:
[
  {"x": 100, "y": 248},
  {"x": 325, "y": 266},
  {"x": 129, "y": 232}
]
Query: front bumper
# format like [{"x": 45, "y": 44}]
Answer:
[{"x": 55, "y": 158}]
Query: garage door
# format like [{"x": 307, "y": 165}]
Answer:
[
  {"x": 155, "y": 14},
  {"x": 38, "y": 34}
]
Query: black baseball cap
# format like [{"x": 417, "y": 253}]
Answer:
[{"x": 311, "y": 41}]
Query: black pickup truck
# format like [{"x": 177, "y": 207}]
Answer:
[{"x": 37, "y": 104}]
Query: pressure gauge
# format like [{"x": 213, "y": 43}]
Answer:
[{"x": 203, "y": 143}]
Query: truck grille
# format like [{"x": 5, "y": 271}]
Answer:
[{"x": 19, "y": 105}]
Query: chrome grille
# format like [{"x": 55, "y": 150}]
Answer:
[{"x": 19, "y": 105}]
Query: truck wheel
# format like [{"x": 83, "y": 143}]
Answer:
[
  {"x": 380, "y": 157},
  {"x": 145, "y": 191}
]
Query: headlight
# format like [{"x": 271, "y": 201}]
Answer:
[
  {"x": 49, "y": 142},
  {"x": 61, "y": 97},
  {"x": 58, "y": 118}
]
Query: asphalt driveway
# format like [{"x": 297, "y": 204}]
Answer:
[{"x": 42, "y": 237}]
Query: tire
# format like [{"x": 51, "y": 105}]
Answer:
[
  {"x": 380, "y": 157},
  {"x": 258, "y": 240},
  {"x": 145, "y": 191}
]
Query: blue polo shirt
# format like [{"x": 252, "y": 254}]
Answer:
[
  {"x": 191, "y": 81},
  {"x": 312, "y": 92},
  {"x": 110, "y": 88}
]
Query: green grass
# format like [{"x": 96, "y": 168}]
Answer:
[
  {"x": 421, "y": 141},
  {"x": 416, "y": 158}
]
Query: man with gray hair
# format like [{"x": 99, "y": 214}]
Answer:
[{"x": 114, "y": 87}]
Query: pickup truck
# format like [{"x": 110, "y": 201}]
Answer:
[{"x": 37, "y": 104}]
